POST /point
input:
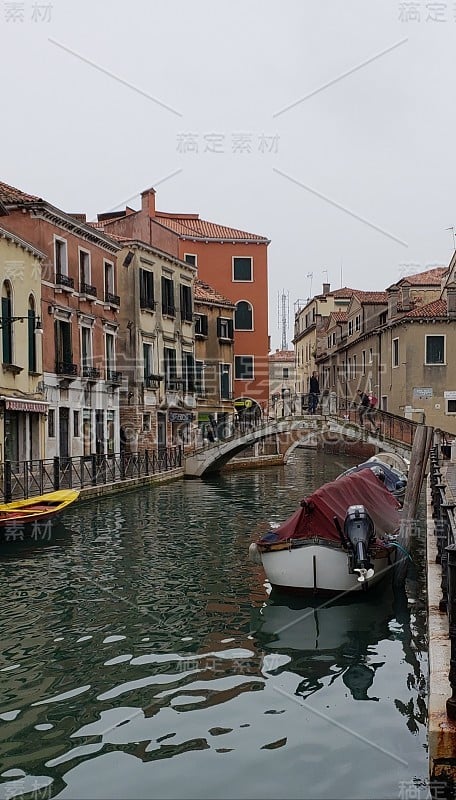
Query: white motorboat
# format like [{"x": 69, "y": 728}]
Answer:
[{"x": 340, "y": 540}]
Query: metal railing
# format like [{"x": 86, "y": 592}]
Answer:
[
  {"x": 22, "y": 479},
  {"x": 389, "y": 426},
  {"x": 443, "y": 514}
]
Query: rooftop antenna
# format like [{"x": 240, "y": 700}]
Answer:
[
  {"x": 310, "y": 275},
  {"x": 451, "y": 228},
  {"x": 341, "y": 284},
  {"x": 284, "y": 316},
  {"x": 325, "y": 273}
]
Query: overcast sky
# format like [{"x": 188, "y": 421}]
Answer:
[{"x": 327, "y": 126}]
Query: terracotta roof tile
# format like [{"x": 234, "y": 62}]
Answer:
[
  {"x": 438, "y": 308},
  {"x": 204, "y": 292},
  {"x": 282, "y": 355},
  {"x": 371, "y": 297},
  {"x": 9, "y": 194},
  {"x": 339, "y": 316},
  {"x": 192, "y": 227},
  {"x": 431, "y": 277}
]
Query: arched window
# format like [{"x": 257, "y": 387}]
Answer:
[
  {"x": 31, "y": 335},
  {"x": 7, "y": 328},
  {"x": 243, "y": 316}
]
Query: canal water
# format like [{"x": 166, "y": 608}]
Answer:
[{"x": 142, "y": 656}]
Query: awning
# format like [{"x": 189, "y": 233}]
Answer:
[{"x": 30, "y": 406}]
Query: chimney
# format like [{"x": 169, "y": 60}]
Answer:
[
  {"x": 148, "y": 202},
  {"x": 326, "y": 288},
  {"x": 393, "y": 296},
  {"x": 451, "y": 300}
]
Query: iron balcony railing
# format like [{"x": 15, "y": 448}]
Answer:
[
  {"x": 22, "y": 479},
  {"x": 113, "y": 376},
  {"x": 86, "y": 288},
  {"x": 64, "y": 280},
  {"x": 66, "y": 368},
  {"x": 91, "y": 373},
  {"x": 112, "y": 299}
]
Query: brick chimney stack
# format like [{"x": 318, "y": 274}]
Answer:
[
  {"x": 326, "y": 288},
  {"x": 148, "y": 202}
]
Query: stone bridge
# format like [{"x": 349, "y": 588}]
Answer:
[{"x": 292, "y": 432}]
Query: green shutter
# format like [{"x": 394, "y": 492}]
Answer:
[
  {"x": 31, "y": 341},
  {"x": 6, "y": 331}
]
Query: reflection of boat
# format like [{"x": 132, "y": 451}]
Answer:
[
  {"x": 20, "y": 513},
  {"x": 325, "y": 641},
  {"x": 385, "y": 467},
  {"x": 337, "y": 541}
]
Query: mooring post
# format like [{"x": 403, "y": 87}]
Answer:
[{"x": 451, "y": 702}]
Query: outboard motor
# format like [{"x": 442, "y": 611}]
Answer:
[{"x": 359, "y": 531}]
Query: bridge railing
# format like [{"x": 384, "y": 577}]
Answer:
[{"x": 390, "y": 426}]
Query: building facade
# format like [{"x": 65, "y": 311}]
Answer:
[{"x": 22, "y": 403}]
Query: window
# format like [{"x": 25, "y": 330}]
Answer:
[
  {"x": 76, "y": 431},
  {"x": 31, "y": 335},
  {"x": 358, "y": 322},
  {"x": 168, "y": 297},
  {"x": 146, "y": 422},
  {"x": 329, "y": 341},
  {"x": 243, "y": 316},
  {"x": 225, "y": 381},
  {"x": 199, "y": 377},
  {"x": 86, "y": 347},
  {"x": 334, "y": 338},
  {"x": 148, "y": 360},
  {"x": 170, "y": 367},
  {"x": 355, "y": 366},
  {"x": 435, "y": 349},
  {"x": 60, "y": 257},
  {"x": 51, "y": 423},
  {"x": 63, "y": 346},
  {"x": 242, "y": 268},
  {"x": 146, "y": 289},
  {"x": 395, "y": 353},
  {"x": 201, "y": 325},
  {"x": 350, "y": 327},
  {"x": 451, "y": 407},
  {"x": 349, "y": 369},
  {"x": 110, "y": 355},
  {"x": 186, "y": 303},
  {"x": 243, "y": 368},
  {"x": 224, "y": 328},
  {"x": 108, "y": 280},
  {"x": 87, "y": 431},
  {"x": 7, "y": 329},
  {"x": 370, "y": 355},
  {"x": 84, "y": 270},
  {"x": 188, "y": 372},
  {"x": 284, "y": 372},
  {"x": 363, "y": 362},
  {"x": 191, "y": 258}
]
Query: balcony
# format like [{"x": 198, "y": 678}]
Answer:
[
  {"x": 91, "y": 373},
  {"x": 112, "y": 299},
  {"x": 147, "y": 303},
  {"x": 153, "y": 381},
  {"x": 87, "y": 289},
  {"x": 113, "y": 377},
  {"x": 66, "y": 369},
  {"x": 64, "y": 280},
  {"x": 174, "y": 384}
]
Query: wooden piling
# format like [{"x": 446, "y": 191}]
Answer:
[{"x": 418, "y": 463}]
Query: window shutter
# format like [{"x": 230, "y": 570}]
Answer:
[
  {"x": 219, "y": 327},
  {"x": 204, "y": 327},
  {"x": 6, "y": 331},
  {"x": 31, "y": 341},
  {"x": 230, "y": 329}
]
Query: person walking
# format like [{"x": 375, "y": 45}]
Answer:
[
  {"x": 366, "y": 409},
  {"x": 314, "y": 393}
]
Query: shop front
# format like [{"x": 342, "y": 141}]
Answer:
[
  {"x": 180, "y": 422},
  {"x": 23, "y": 429}
]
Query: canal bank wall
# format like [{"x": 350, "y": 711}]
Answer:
[
  {"x": 441, "y": 728},
  {"x": 90, "y": 492}
]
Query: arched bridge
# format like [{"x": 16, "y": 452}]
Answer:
[{"x": 393, "y": 435}]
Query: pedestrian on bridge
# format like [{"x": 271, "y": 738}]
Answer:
[{"x": 314, "y": 393}]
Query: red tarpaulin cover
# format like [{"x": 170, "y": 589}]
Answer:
[{"x": 316, "y": 518}]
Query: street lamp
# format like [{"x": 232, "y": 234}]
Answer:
[{"x": 4, "y": 321}]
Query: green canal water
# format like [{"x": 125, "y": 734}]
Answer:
[{"x": 142, "y": 656}]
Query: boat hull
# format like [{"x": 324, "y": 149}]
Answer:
[
  {"x": 35, "y": 509},
  {"x": 318, "y": 567}
]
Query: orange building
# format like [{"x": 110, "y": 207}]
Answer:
[{"x": 234, "y": 262}]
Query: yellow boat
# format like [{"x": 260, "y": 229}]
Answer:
[{"x": 23, "y": 512}]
